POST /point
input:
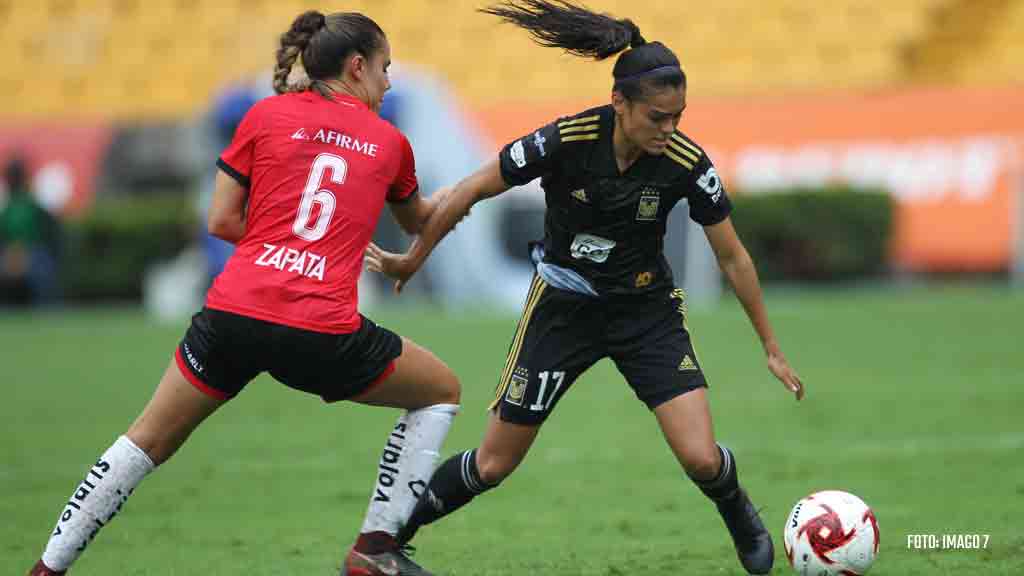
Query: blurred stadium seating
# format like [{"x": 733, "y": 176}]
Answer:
[{"x": 129, "y": 59}]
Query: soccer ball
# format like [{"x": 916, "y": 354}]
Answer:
[{"x": 831, "y": 533}]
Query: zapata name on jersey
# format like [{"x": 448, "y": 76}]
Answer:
[
  {"x": 291, "y": 260},
  {"x": 338, "y": 139}
]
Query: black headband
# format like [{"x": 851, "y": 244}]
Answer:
[{"x": 648, "y": 72}]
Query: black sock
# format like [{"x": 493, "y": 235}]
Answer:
[
  {"x": 455, "y": 482},
  {"x": 725, "y": 485}
]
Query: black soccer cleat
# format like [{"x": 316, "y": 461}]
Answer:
[{"x": 753, "y": 542}]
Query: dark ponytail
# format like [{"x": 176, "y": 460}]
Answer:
[
  {"x": 559, "y": 24},
  {"x": 577, "y": 30},
  {"x": 324, "y": 43}
]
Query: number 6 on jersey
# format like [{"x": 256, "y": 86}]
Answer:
[{"x": 312, "y": 194}]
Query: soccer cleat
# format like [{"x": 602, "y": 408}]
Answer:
[
  {"x": 389, "y": 563},
  {"x": 753, "y": 542},
  {"x": 40, "y": 569}
]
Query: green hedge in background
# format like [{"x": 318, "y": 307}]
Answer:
[
  {"x": 793, "y": 235},
  {"x": 108, "y": 251},
  {"x": 835, "y": 233}
]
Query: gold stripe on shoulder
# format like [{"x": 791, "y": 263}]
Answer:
[
  {"x": 583, "y": 128},
  {"x": 580, "y": 120},
  {"x": 679, "y": 138},
  {"x": 673, "y": 145},
  {"x": 574, "y": 138},
  {"x": 679, "y": 159}
]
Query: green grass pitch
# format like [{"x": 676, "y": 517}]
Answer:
[{"x": 914, "y": 403}]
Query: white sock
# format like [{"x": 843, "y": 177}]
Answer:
[
  {"x": 410, "y": 454},
  {"x": 96, "y": 501}
]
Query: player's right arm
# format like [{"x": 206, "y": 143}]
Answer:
[
  {"x": 519, "y": 162},
  {"x": 226, "y": 218}
]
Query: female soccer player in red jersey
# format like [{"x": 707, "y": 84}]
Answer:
[
  {"x": 603, "y": 289},
  {"x": 299, "y": 193}
]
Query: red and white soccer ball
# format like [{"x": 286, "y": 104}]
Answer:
[{"x": 831, "y": 533}]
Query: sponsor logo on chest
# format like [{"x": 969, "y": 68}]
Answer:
[{"x": 590, "y": 247}]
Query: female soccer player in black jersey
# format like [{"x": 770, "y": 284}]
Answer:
[{"x": 611, "y": 175}]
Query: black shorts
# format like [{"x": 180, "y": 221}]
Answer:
[
  {"x": 221, "y": 352},
  {"x": 561, "y": 334}
]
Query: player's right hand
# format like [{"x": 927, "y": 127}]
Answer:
[
  {"x": 779, "y": 366},
  {"x": 398, "y": 267}
]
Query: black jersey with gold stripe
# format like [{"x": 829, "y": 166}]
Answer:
[{"x": 607, "y": 225}]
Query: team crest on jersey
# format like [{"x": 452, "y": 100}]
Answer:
[
  {"x": 649, "y": 202},
  {"x": 517, "y": 387},
  {"x": 580, "y": 195}
]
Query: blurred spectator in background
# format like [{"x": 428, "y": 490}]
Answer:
[
  {"x": 228, "y": 109},
  {"x": 29, "y": 243}
]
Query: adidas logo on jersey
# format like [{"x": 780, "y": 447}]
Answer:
[
  {"x": 687, "y": 364},
  {"x": 300, "y": 134},
  {"x": 580, "y": 195}
]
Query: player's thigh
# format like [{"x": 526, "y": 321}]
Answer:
[
  {"x": 651, "y": 345},
  {"x": 417, "y": 378},
  {"x": 372, "y": 365},
  {"x": 213, "y": 362},
  {"x": 557, "y": 339},
  {"x": 175, "y": 410},
  {"x": 222, "y": 352}
]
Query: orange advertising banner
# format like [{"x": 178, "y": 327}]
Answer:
[{"x": 951, "y": 158}]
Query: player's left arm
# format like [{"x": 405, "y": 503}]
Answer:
[
  {"x": 412, "y": 213},
  {"x": 735, "y": 262},
  {"x": 451, "y": 206},
  {"x": 408, "y": 206},
  {"x": 226, "y": 218}
]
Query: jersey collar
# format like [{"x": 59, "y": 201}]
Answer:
[
  {"x": 605, "y": 150},
  {"x": 349, "y": 101}
]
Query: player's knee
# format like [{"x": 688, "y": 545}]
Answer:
[
  {"x": 158, "y": 449},
  {"x": 448, "y": 389},
  {"x": 494, "y": 468},
  {"x": 703, "y": 466}
]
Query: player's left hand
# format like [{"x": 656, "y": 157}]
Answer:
[
  {"x": 398, "y": 267},
  {"x": 781, "y": 369}
]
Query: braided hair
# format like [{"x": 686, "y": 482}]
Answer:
[{"x": 324, "y": 43}]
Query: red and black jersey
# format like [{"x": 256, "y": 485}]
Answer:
[{"x": 318, "y": 173}]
